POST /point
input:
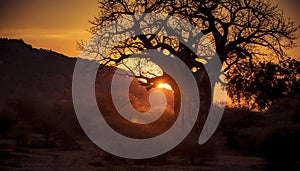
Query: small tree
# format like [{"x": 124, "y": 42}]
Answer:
[{"x": 259, "y": 86}]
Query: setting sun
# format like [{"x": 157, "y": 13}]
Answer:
[{"x": 165, "y": 86}]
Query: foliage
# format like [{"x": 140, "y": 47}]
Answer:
[
  {"x": 260, "y": 85},
  {"x": 37, "y": 124}
]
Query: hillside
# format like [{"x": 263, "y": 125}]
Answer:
[{"x": 38, "y": 74}]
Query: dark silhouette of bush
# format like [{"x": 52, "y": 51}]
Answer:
[
  {"x": 37, "y": 124},
  {"x": 21, "y": 132},
  {"x": 231, "y": 138},
  {"x": 274, "y": 134},
  {"x": 5, "y": 124},
  {"x": 236, "y": 120},
  {"x": 282, "y": 149}
]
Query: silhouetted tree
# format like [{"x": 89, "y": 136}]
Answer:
[
  {"x": 238, "y": 30},
  {"x": 259, "y": 86}
]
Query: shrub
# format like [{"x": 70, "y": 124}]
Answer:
[
  {"x": 20, "y": 132},
  {"x": 282, "y": 149},
  {"x": 38, "y": 124}
]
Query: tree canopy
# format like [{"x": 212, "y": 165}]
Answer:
[
  {"x": 260, "y": 86},
  {"x": 239, "y": 30}
]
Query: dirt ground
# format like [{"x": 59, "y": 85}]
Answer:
[{"x": 89, "y": 157}]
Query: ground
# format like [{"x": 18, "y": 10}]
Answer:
[{"x": 87, "y": 156}]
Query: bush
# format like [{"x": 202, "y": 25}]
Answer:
[
  {"x": 5, "y": 125},
  {"x": 193, "y": 152},
  {"x": 282, "y": 149},
  {"x": 38, "y": 124},
  {"x": 237, "y": 125},
  {"x": 231, "y": 138},
  {"x": 20, "y": 132},
  {"x": 274, "y": 134}
]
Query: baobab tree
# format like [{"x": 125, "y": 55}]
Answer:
[{"x": 238, "y": 30}]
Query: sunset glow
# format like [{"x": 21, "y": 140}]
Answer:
[
  {"x": 165, "y": 86},
  {"x": 67, "y": 22}
]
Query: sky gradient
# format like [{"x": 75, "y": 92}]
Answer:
[
  {"x": 49, "y": 24},
  {"x": 59, "y": 24}
]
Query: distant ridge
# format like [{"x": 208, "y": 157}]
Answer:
[
  {"x": 19, "y": 43},
  {"x": 27, "y": 72}
]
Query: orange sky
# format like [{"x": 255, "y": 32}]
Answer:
[
  {"x": 59, "y": 24},
  {"x": 49, "y": 24}
]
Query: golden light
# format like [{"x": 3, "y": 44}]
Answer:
[{"x": 165, "y": 86}]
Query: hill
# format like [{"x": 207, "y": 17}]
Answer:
[{"x": 32, "y": 73}]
